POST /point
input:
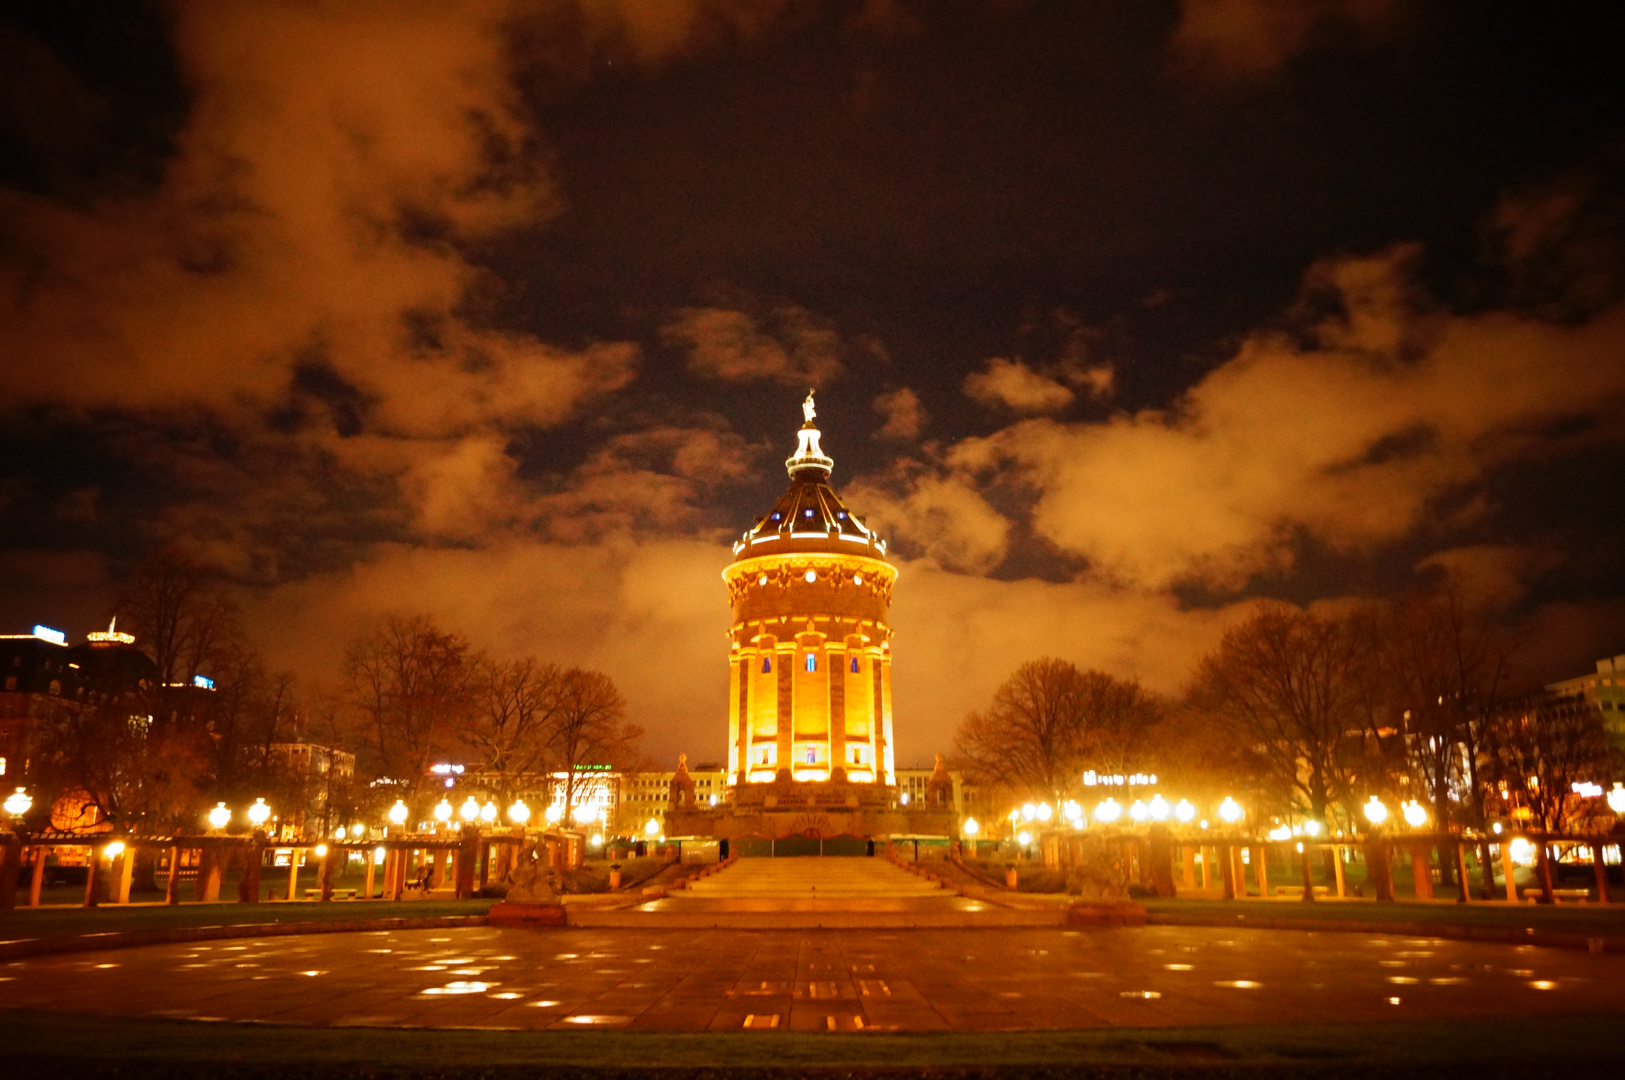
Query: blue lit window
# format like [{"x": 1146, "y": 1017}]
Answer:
[
  {"x": 767, "y": 665},
  {"x": 812, "y": 662},
  {"x": 854, "y": 665},
  {"x": 841, "y": 515},
  {"x": 806, "y": 513},
  {"x": 812, "y": 755},
  {"x": 775, "y": 517}
]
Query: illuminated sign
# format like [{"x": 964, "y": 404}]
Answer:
[
  {"x": 55, "y": 637},
  {"x": 203, "y": 682},
  {"x": 442, "y": 769},
  {"x": 1587, "y": 790},
  {"x": 594, "y": 768},
  {"x": 1092, "y": 779}
]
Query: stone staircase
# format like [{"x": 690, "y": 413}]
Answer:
[{"x": 808, "y": 892}]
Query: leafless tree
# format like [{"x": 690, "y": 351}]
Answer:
[
  {"x": 1291, "y": 691},
  {"x": 1539, "y": 748},
  {"x": 511, "y": 728},
  {"x": 1049, "y": 722},
  {"x": 588, "y": 726},
  {"x": 178, "y": 616},
  {"x": 409, "y": 696}
]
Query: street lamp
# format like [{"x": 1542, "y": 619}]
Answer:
[
  {"x": 18, "y": 802},
  {"x": 1138, "y": 811},
  {"x": 1024, "y": 838},
  {"x": 652, "y": 829},
  {"x": 1230, "y": 811},
  {"x": 219, "y": 817},
  {"x": 1374, "y": 811},
  {"x": 519, "y": 813},
  {"x": 488, "y": 812},
  {"x": 1616, "y": 798},
  {"x": 1312, "y": 828},
  {"x": 1415, "y": 815},
  {"x": 469, "y": 810},
  {"x": 1108, "y": 811},
  {"x": 1185, "y": 812},
  {"x": 1159, "y": 808},
  {"x": 1044, "y": 812},
  {"x": 442, "y": 811},
  {"x": 114, "y": 850},
  {"x": 259, "y": 814},
  {"x": 357, "y": 830},
  {"x": 971, "y": 828},
  {"x": 398, "y": 813}
]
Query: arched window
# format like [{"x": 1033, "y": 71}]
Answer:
[
  {"x": 854, "y": 665},
  {"x": 812, "y": 662},
  {"x": 767, "y": 665}
]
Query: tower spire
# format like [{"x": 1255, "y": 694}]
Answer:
[{"x": 809, "y": 456}]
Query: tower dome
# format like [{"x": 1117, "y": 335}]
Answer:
[{"x": 810, "y": 647}]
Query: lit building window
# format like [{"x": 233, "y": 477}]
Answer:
[
  {"x": 812, "y": 662},
  {"x": 854, "y": 665},
  {"x": 767, "y": 665}
]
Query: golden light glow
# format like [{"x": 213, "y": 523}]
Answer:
[
  {"x": 443, "y": 811},
  {"x": 219, "y": 817},
  {"x": 114, "y": 850},
  {"x": 1108, "y": 811},
  {"x": 519, "y": 813},
  {"x": 397, "y": 813},
  {"x": 1374, "y": 811},
  {"x": 1230, "y": 811},
  {"x": 18, "y": 802}
]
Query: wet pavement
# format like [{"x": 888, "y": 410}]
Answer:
[{"x": 821, "y": 980}]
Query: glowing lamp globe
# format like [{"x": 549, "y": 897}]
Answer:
[
  {"x": 378, "y": 854},
  {"x": 1230, "y": 811},
  {"x": 1138, "y": 811},
  {"x": 1185, "y": 811},
  {"x": 219, "y": 817},
  {"x": 1616, "y": 798},
  {"x": 1312, "y": 828},
  {"x": 321, "y": 851},
  {"x": 18, "y": 802},
  {"x": 114, "y": 850},
  {"x": 488, "y": 812},
  {"x": 1108, "y": 811},
  {"x": 1159, "y": 808},
  {"x": 398, "y": 812},
  {"x": 596, "y": 840},
  {"x": 971, "y": 828},
  {"x": 1028, "y": 812},
  {"x": 357, "y": 829},
  {"x": 1415, "y": 815},
  {"x": 259, "y": 813},
  {"x": 470, "y": 809},
  {"x": 519, "y": 813},
  {"x": 1044, "y": 812},
  {"x": 553, "y": 814},
  {"x": 652, "y": 829},
  {"x": 443, "y": 811},
  {"x": 1024, "y": 838},
  {"x": 1374, "y": 811}
]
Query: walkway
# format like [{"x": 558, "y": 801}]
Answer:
[{"x": 729, "y": 980}]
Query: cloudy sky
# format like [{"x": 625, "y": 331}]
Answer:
[{"x": 1122, "y": 314}]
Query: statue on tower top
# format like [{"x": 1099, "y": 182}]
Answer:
[{"x": 807, "y": 410}]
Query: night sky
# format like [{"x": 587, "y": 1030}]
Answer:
[{"x": 1122, "y": 315}]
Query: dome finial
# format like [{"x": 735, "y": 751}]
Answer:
[
  {"x": 808, "y": 454},
  {"x": 807, "y": 410}
]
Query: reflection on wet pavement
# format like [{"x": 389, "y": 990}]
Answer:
[{"x": 821, "y": 980}]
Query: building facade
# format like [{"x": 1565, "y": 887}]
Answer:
[{"x": 810, "y": 747}]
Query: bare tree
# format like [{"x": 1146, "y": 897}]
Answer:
[
  {"x": 408, "y": 693},
  {"x": 1290, "y": 689},
  {"x": 1048, "y": 722},
  {"x": 178, "y": 617},
  {"x": 511, "y": 727},
  {"x": 588, "y": 726},
  {"x": 1539, "y": 748}
]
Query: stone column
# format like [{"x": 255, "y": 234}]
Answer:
[
  {"x": 1465, "y": 893},
  {"x": 1227, "y": 870},
  {"x": 248, "y": 885},
  {"x": 1379, "y": 868},
  {"x": 38, "y": 882},
  {"x": 1507, "y": 869},
  {"x": 366, "y": 887},
  {"x": 1543, "y": 870},
  {"x": 784, "y": 661},
  {"x": 1337, "y": 868},
  {"x": 1421, "y": 872},
  {"x": 1308, "y": 876},
  {"x": 324, "y": 873},
  {"x": 209, "y": 875},
  {"x": 293, "y": 873},
  {"x": 1188, "y": 851},
  {"x": 11, "y": 861},
  {"x": 93, "y": 879},
  {"x": 1261, "y": 870},
  {"x": 172, "y": 884},
  {"x": 1159, "y": 854},
  {"x": 466, "y": 855},
  {"x": 123, "y": 871}
]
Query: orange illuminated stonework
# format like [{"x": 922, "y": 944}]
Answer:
[{"x": 809, "y": 675}]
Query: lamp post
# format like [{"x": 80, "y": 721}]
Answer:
[
  {"x": 443, "y": 811},
  {"x": 519, "y": 813},
  {"x": 1377, "y": 865},
  {"x": 16, "y": 805},
  {"x": 219, "y": 817},
  {"x": 259, "y": 814},
  {"x": 398, "y": 814},
  {"x": 970, "y": 829}
]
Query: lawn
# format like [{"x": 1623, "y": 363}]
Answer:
[
  {"x": 41, "y": 1044},
  {"x": 51, "y": 922}
]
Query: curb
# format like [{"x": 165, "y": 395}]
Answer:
[
  {"x": 129, "y": 939},
  {"x": 1499, "y": 935}
]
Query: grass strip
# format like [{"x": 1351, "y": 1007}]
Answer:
[{"x": 91, "y": 1046}]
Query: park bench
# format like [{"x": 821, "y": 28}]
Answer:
[
  {"x": 338, "y": 894},
  {"x": 419, "y": 882},
  {"x": 1531, "y": 894}
]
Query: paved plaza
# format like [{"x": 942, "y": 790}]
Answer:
[{"x": 821, "y": 980}]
